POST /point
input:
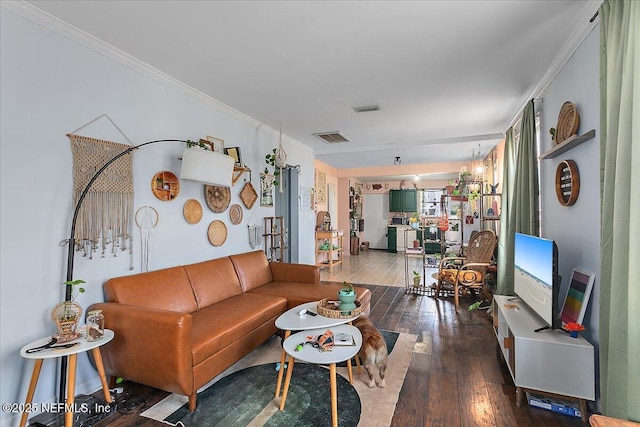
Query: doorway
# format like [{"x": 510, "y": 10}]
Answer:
[
  {"x": 332, "y": 205},
  {"x": 286, "y": 206}
]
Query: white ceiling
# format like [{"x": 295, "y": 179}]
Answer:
[{"x": 449, "y": 76}]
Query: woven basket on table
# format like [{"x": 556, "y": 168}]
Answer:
[{"x": 331, "y": 310}]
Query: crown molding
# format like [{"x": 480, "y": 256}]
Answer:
[
  {"x": 579, "y": 34},
  {"x": 83, "y": 38}
]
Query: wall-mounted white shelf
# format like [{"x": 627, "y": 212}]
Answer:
[{"x": 568, "y": 144}]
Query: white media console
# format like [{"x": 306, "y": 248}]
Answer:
[{"x": 549, "y": 361}]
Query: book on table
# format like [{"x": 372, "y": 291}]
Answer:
[{"x": 344, "y": 339}]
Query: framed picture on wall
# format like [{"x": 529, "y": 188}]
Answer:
[
  {"x": 235, "y": 153},
  {"x": 217, "y": 144},
  {"x": 266, "y": 189}
]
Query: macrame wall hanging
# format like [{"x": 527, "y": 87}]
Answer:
[
  {"x": 255, "y": 232},
  {"x": 281, "y": 158},
  {"x": 105, "y": 217},
  {"x": 146, "y": 220}
]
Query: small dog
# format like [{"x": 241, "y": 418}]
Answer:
[{"x": 373, "y": 353}]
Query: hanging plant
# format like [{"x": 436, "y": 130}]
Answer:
[{"x": 270, "y": 160}]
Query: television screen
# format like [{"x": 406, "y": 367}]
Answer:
[{"x": 536, "y": 279}]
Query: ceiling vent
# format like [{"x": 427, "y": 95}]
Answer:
[
  {"x": 331, "y": 137},
  {"x": 366, "y": 108}
]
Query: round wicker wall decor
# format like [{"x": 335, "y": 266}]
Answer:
[
  {"x": 192, "y": 211},
  {"x": 568, "y": 122},
  {"x": 567, "y": 182},
  {"x": 217, "y": 198},
  {"x": 217, "y": 233},
  {"x": 235, "y": 214}
]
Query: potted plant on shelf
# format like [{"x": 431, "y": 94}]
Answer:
[
  {"x": 414, "y": 220},
  {"x": 347, "y": 297},
  {"x": 67, "y": 314},
  {"x": 416, "y": 279}
]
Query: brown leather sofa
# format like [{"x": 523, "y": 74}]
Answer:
[{"x": 177, "y": 328}]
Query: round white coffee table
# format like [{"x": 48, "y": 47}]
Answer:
[
  {"x": 291, "y": 320},
  {"x": 81, "y": 346},
  {"x": 313, "y": 355}
]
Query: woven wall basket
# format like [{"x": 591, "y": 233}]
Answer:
[
  {"x": 217, "y": 198},
  {"x": 217, "y": 233},
  {"x": 192, "y": 211},
  {"x": 568, "y": 122}
]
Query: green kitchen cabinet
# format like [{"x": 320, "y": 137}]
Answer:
[
  {"x": 392, "y": 239},
  {"x": 403, "y": 200}
]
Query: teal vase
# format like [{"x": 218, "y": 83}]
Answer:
[{"x": 347, "y": 302}]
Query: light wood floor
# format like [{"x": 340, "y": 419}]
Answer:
[{"x": 375, "y": 267}]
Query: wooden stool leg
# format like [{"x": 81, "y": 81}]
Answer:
[
  {"x": 583, "y": 409},
  {"x": 32, "y": 388},
  {"x": 519, "y": 396},
  {"x": 286, "y": 383},
  {"x": 71, "y": 388},
  {"x": 349, "y": 370},
  {"x": 334, "y": 395},
  {"x": 283, "y": 358},
  {"x": 103, "y": 378}
]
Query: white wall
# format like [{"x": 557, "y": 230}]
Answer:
[
  {"x": 51, "y": 86},
  {"x": 576, "y": 229}
]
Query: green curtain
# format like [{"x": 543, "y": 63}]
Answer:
[
  {"x": 519, "y": 210},
  {"x": 619, "y": 334},
  {"x": 505, "y": 246}
]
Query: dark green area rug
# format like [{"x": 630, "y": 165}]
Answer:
[
  {"x": 247, "y": 395},
  {"x": 244, "y": 394}
]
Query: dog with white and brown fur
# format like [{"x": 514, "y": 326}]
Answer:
[{"x": 373, "y": 353}]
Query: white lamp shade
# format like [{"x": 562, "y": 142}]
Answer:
[{"x": 207, "y": 167}]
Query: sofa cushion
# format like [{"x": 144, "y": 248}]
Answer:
[
  {"x": 252, "y": 269},
  {"x": 300, "y": 293},
  {"x": 220, "y": 325},
  {"x": 213, "y": 281},
  {"x": 166, "y": 289}
]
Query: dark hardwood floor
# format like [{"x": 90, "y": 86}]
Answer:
[{"x": 456, "y": 377}]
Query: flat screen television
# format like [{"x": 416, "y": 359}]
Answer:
[{"x": 536, "y": 281}]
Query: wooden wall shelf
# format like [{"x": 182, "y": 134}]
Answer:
[
  {"x": 568, "y": 144},
  {"x": 238, "y": 171}
]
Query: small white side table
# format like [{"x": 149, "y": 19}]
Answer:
[
  {"x": 291, "y": 320},
  {"x": 310, "y": 354},
  {"x": 72, "y": 352}
]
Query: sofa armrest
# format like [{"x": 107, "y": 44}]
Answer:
[
  {"x": 286, "y": 272},
  {"x": 150, "y": 346}
]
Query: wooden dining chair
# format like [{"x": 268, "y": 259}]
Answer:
[{"x": 463, "y": 273}]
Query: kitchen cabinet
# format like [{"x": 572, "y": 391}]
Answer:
[
  {"x": 403, "y": 200},
  {"x": 392, "y": 239},
  {"x": 399, "y": 237}
]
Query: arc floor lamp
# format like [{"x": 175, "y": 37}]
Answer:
[{"x": 198, "y": 164}]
